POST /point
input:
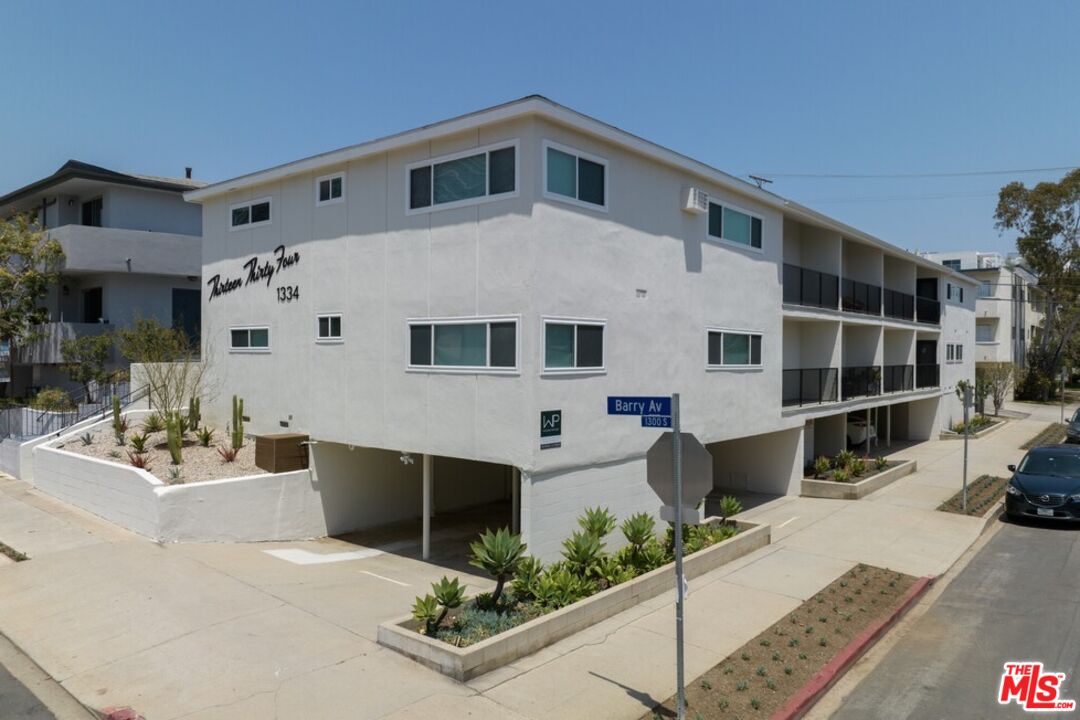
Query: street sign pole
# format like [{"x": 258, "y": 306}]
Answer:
[
  {"x": 680, "y": 593},
  {"x": 967, "y": 401},
  {"x": 1062, "y": 394}
]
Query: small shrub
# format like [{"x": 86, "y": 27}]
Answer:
[
  {"x": 742, "y": 685},
  {"x": 776, "y": 656},
  {"x": 706, "y": 685},
  {"x": 802, "y": 656},
  {"x": 528, "y": 572},
  {"x": 581, "y": 550},
  {"x": 425, "y": 610},
  {"x": 559, "y": 587},
  {"x": 174, "y": 473},
  {"x": 52, "y": 399},
  {"x": 120, "y": 438},
  {"x": 841, "y": 475},
  {"x": 745, "y": 655},
  {"x": 761, "y": 671},
  {"x": 881, "y": 463},
  {"x": 793, "y": 642},
  {"x": 771, "y": 684},
  {"x": 205, "y": 436},
  {"x": 788, "y": 669},
  {"x": 729, "y": 506},
  {"x": 755, "y": 703},
  {"x": 597, "y": 521},
  {"x": 228, "y": 454},
  {"x": 823, "y": 642},
  {"x": 138, "y": 460},
  {"x": 86, "y": 438},
  {"x": 722, "y": 704},
  {"x": 764, "y": 643},
  {"x": 114, "y": 453},
  {"x": 153, "y": 423},
  {"x": 822, "y": 466},
  {"x": 138, "y": 442}
]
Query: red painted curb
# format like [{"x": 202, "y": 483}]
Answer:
[
  {"x": 120, "y": 713},
  {"x": 812, "y": 691}
]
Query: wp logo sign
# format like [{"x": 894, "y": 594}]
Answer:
[{"x": 1026, "y": 684}]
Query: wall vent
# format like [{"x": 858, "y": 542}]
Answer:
[{"x": 695, "y": 200}]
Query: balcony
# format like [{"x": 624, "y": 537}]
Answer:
[
  {"x": 861, "y": 297},
  {"x": 803, "y": 286},
  {"x": 899, "y": 305},
  {"x": 856, "y": 382},
  {"x": 102, "y": 249},
  {"x": 45, "y": 350},
  {"x": 898, "y": 378},
  {"x": 927, "y": 376},
  {"x": 928, "y": 311},
  {"x": 809, "y": 386}
]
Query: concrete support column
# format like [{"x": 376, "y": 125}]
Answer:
[
  {"x": 428, "y": 480},
  {"x": 515, "y": 500},
  {"x": 888, "y": 420}
]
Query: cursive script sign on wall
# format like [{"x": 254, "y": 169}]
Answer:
[{"x": 254, "y": 271}]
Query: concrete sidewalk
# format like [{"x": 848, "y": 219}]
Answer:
[{"x": 224, "y": 631}]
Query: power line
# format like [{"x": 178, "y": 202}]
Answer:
[
  {"x": 900, "y": 198},
  {"x": 894, "y": 176}
]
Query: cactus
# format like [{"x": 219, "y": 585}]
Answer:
[
  {"x": 237, "y": 422},
  {"x": 174, "y": 436},
  {"x": 116, "y": 414},
  {"x": 194, "y": 416}
]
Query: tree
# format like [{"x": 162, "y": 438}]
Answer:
[
  {"x": 1047, "y": 218},
  {"x": 85, "y": 359},
  {"x": 997, "y": 378},
  {"x": 171, "y": 363},
  {"x": 29, "y": 266}
]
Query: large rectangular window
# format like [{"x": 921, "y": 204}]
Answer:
[
  {"x": 250, "y": 339},
  {"x": 573, "y": 175},
  {"x": 463, "y": 344},
  {"x": 734, "y": 226},
  {"x": 728, "y": 348},
  {"x": 249, "y": 214},
  {"x": 984, "y": 332},
  {"x": 573, "y": 345},
  {"x": 459, "y": 179}
]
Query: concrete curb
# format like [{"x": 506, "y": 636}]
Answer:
[
  {"x": 992, "y": 515},
  {"x": 809, "y": 694},
  {"x": 832, "y": 490}
]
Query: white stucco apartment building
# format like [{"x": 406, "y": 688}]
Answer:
[
  {"x": 132, "y": 248},
  {"x": 430, "y": 294},
  {"x": 1010, "y": 307}
]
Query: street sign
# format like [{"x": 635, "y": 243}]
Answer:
[
  {"x": 697, "y": 470},
  {"x": 639, "y": 406},
  {"x": 550, "y": 429},
  {"x": 656, "y": 421}
]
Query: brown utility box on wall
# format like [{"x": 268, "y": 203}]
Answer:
[{"x": 281, "y": 452}]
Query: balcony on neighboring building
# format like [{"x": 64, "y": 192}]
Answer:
[
  {"x": 89, "y": 249},
  {"x": 898, "y": 378},
  {"x": 860, "y": 297},
  {"x": 927, "y": 376},
  {"x": 803, "y": 286},
  {"x": 856, "y": 382},
  {"x": 899, "y": 305},
  {"x": 809, "y": 386},
  {"x": 928, "y": 311}
]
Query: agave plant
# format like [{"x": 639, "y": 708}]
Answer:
[
  {"x": 498, "y": 554},
  {"x": 609, "y": 572},
  {"x": 205, "y": 436},
  {"x": 822, "y": 466},
  {"x": 425, "y": 610},
  {"x": 844, "y": 459},
  {"x": 138, "y": 442},
  {"x": 528, "y": 572},
  {"x": 729, "y": 506},
  {"x": 86, "y": 438},
  {"x": 581, "y": 550},
  {"x": 449, "y": 594},
  {"x": 228, "y": 454},
  {"x": 139, "y": 460},
  {"x": 653, "y": 555},
  {"x": 638, "y": 529},
  {"x": 881, "y": 463},
  {"x": 561, "y": 588},
  {"x": 153, "y": 423},
  {"x": 841, "y": 475},
  {"x": 598, "y": 521}
]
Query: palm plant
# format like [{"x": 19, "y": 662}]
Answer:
[
  {"x": 598, "y": 521},
  {"x": 498, "y": 554}
]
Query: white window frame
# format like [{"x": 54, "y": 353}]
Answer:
[
  {"x": 578, "y": 154},
  {"x": 733, "y": 331},
  {"x": 334, "y": 200},
  {"x": 485, "y": 198},
  {"x": 250, "y": 349},
  {"x": 330, "y": 339},
  {"x": 464, "y": 369},
  {"x": 731, "y": 243},
  {"x": 248, "y": 203},
  {"x": 545, "y": 320},
  {"x": 992, "y": 328}
]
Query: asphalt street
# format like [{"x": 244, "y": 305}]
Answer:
[
  {"x": 1017, "y": 600},
  {"x": 17, "y": 702}
]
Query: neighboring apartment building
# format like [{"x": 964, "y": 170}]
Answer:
[
  {"x": 439, "y": 291},
  {"x": 132, "y": 248},
  {"x": 1010, "y": 308}
]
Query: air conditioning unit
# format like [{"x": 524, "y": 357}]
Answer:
[{"x": 695, "y": 200}]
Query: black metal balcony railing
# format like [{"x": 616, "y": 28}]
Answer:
[
  {"x": 927, "y": 376},
  {"x": 898, "y": 378},
  {"x": 860, "y": 297},
  {"x": 929, "y": 311},
  {"x": 860, "y": 381},
  {"x": 803, "y": 286},
  {"x": 899, "y": 305},
  {"x": 809, "y": 386}
]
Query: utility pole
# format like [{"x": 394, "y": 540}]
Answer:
[{"x": 967, "y": 431}]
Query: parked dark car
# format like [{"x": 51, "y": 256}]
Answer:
[
  {"x": 1046, "y": 484},
  {"x": 1072, "y": 430}
]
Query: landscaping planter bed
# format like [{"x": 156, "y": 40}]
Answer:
[
  {"x": 984, "y": 494},
  {"x": 761, "y": 677},
  {"x": 994, "y": 426},
  {"x": 831, "y": 489},
  {"x": 1052, "y": 434},
  {"x": 463, "y": 663}
]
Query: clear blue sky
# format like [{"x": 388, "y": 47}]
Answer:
[{"x": 860, "y": 87}]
